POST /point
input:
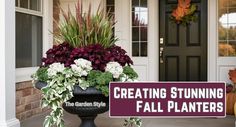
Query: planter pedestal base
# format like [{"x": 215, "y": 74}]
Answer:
[
  {"x": 87, "y": 121},
  {"x": 85, "y": 106}
]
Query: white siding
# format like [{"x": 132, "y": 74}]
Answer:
[{"x": 71, "y": 4}]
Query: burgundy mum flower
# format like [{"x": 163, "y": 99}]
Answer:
[
  {"x": 97, "y": 54},
  {"x": 94, "y": 53},
  {"x": 58, "y": 53},
  {"x": 119, "y": 55}
]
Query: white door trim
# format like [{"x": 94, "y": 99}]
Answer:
[
  {"x": 212, "y": 43},
  {"x": 153, "y": 40}
]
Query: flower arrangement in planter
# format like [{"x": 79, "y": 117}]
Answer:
[{"x": 81, "y": 66}]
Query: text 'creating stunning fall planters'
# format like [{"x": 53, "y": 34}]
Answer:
[{"x": 75, "y": 73}]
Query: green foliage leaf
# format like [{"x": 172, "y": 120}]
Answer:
[
  {"x": 104, "y": 89},
  {"x": 104, "y": 78},
  {"x": 84, "y": 84},
  {"x": 48, "y": 121},
  {"x": 132, "y": 122},
  {"x": 45, "y": 90},
  {"x": 130, "y": 72},
  {"x": 92, "y": 76},
  {"x": 193, "y": 8},
  {"x": 42, "y": 74}
]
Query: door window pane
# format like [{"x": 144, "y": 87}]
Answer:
[
  {"x": 110, "y": 9},
  {"x": 28, "y": 40},
  {"x": 222, "y": 33},
  {"x": 135, "y": 48},
  {"x": 231, "y": 15},
  {"x": 143, "y": 18},
  {"x": 135, "y": 18},
  {"x": 227, "y": 49},
  {"x": 24, "y": 4},
  {"x": 135, "y": 3},
  {"x": 143, "y": 3},
  {"x": 110, "y": 5},
  {"x": 135, "y": 32},
  {"x": 232, "y": 32},
  {"x": 110, "y": 2},
  {"x": 143, "y": 33},
  {"x": 144, "y": 48},
  {"x": 227, "y": 27}
]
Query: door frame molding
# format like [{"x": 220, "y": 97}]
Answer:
[
  {"x": 153, "y": 40},
  {"x": 212, "y": 34},
  {"x": 212, "y": 43}
]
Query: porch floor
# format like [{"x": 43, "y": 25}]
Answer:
[{"x": 103, "y": 120}]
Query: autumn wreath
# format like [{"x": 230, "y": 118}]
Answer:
[{"x": 184, "y": 13}]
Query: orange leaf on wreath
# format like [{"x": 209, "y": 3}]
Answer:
[
  {"x": 182, "y": 9},
  {"x": 178, "y": 13},
  {"x": 184, "y": 3}
]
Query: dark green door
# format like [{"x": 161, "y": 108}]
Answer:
[{"x": 183, "y": 49}]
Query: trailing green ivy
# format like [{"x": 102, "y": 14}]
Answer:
[
  {"x": 132, "y": 122},
  {"x": 59, "y": 90}
]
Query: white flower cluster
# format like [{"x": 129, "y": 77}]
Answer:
[
  {"x": 55, "y": 68},
  {"x": 115, "y": 68},
  {"x": 81, "y": 67}
]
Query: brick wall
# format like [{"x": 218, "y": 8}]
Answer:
[{"x": 28, "y": 101}]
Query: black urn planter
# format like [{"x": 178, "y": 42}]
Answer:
[{"x": 87, "y": 104}]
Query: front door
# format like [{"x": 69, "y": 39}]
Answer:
[{"x": 183, "y": 49}]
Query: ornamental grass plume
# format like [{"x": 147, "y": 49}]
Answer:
[{"x": 85, "y": 29}]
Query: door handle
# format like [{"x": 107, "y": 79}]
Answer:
[
  {"x": 161, "y": 55},
  {"x": 161, "y": 41}
]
